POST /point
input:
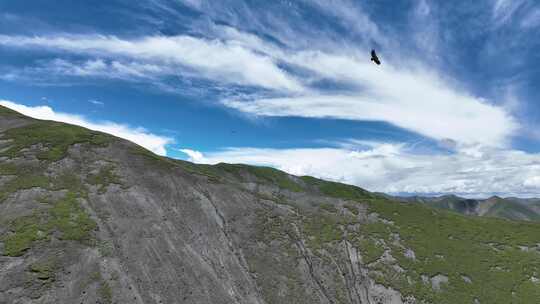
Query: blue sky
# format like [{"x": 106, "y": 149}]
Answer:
[{"x": 454, "y": 108}]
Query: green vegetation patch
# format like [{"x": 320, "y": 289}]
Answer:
[
  {"x": 24, "y": 232},
  {"x": 149, "y": 155},
  {"x": 324, "y": 229},
  {"x": 514, "y": 211},
  {"x": 328, "y": 208},
  {"x": 69, "y": 181},
  {"x": 277, "y": 261},
  {"x": 104, "y": 178},
  {"x": 163, "y": 162},
  {"x": 22, "y": 182},
  {"x": 6, "y": 112},
  {"x": 68, "y": 217},
  {"x": 265, "y": 174},
  {"x": 44, "y": 270},
  {"x": 8, "y": 169},
  {"x": 337, "y": 190},
  {"x": 202, "y": 169},
  {"x": 105, "y": 248},
  {"x": 485, "y": 250},
  {"x": 37, "y": 179},
  {"x": 352, "y": 208},
  {"x": 105, "y": 292},
  {"x": 65, "y": 216},
  {"x": 370, "y": 248},
  {"x": 56, "y": 137}
]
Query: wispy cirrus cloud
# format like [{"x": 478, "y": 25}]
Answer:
[
  {"x": 416, "y": 99},
  {"x": 219, "y": 60},
  {"x": 412, "y": 96},
  {"x": 138, "y": 135},
  {"x": 58, "y": 69},
  {"x": 504, "y": 10}
]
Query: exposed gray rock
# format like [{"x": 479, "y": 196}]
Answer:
[{"x": 437, "y": 280}]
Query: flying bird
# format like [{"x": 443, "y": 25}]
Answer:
[{"x": 374, "y": 57}]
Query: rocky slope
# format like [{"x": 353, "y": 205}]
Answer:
[{"x": 89, "y": 218}]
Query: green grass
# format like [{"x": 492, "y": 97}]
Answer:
[
  {"x": 323, "y": 229},
  {"x": 149, "y": 155},
  {"x": 370, "y": 249},
  {"x": 65, "y": 216},
  {"x": 263, "y": 174},
  {"x": 104, "y": 178},
  {"x": 5, "y": 112},
  {"x": 68, "y": 217},
  {"x": 352, "y": 208},
  {"x": 22, "y": 182},
  {"x": 8, "y": 169},
  {"x": 25, "y": 231},
  {"x": 328, "y": 208},
  {"x": 56, "y": 137},
  {"x": 202, "y": 169},
  {"x": 166, "y": 163},
  {"x": 337, "y": 190},
  {"x": 105, "y": 292},
  {"x": 455, "y": 245},
  {"x": 69, "y": 181}
]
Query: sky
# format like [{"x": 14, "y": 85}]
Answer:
[{"x": 454, "y": 108}]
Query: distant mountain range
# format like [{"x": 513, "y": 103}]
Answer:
[{"x": 509, "y": 208}]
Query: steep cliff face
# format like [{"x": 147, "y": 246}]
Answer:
[{"x": 89, "y": 218}]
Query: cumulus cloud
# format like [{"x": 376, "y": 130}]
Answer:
[
  {"x": 393, "y": 168},
  {"x": 194, "y": 156},
  {"x": 532, "y": 182},
  {"x": 152, "y": 142},
  {"x": 215, "y": 59}
]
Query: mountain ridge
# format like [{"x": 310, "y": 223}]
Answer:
[{"x": 495, "y": 206}]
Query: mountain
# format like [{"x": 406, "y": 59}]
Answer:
[
  {"x": 508, "y": 208},
  {"x": 86, "y": 217}
]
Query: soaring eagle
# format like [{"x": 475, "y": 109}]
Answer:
[{"x": 374, "y": 57}]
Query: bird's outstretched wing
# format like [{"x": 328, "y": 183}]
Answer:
[{"x": 374, "y": 57}]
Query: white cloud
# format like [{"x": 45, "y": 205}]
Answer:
[
  {"x": 219, "y": 60},
  {"x": 152, "y": 142},
  {"x": 392, "y": 168},
  {"x": 504, "y": 10},
  {"x": 47, "y": 71},
  {"x": 404, "y": 93},
  {"x": 351, "y": 15},
  {"x": 96, "y": 102},
  {"x": 416, "y": 99},
  {"x": 532, "y": 182},
  {"x": 102, "y": 68},
  {"x": 194, "y": 156}
]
